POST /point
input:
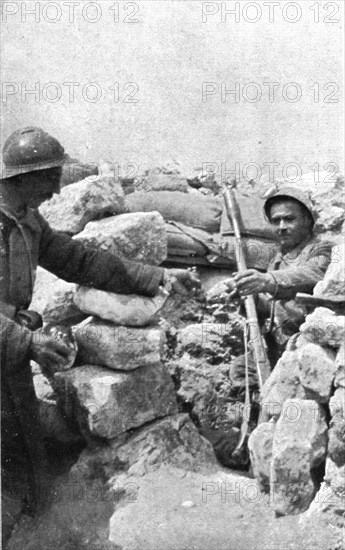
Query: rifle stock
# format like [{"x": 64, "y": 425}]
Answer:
[{"x": 256, "y": 340}]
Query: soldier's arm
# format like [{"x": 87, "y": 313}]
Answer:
[
  {"x": 15, "y": 343},
  {"x": 304, "y": 276},
  {"x": 76, "y": 262}
]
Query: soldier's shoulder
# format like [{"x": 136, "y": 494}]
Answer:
[{"x": 321, "y": 244}]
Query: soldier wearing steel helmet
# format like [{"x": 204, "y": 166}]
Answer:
[
  {"x": 301, "y": 263},
  {"x": 33, "y": 162}
]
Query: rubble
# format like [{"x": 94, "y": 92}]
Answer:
[
  {"x": 118, "y": 348},
  {"x": 203, "y": 390},
  {"x": 173, "y": 440},
  {"x": 106, "y": 403},
  {"x": 315, "y": 368},
  {"x": 139, "y": 236},
  {"x": 334, "y": 280},
  {"x": 260, "y": 445},
  {"x": 299, "y": 444},
  {"x": 316, "y": 371},
  {"x": 283, "y": 383},
  {"x": 324, "y": 327},
  {"x": 339, "y": 379},
  {"x": 215, "y": 342},
  {"x": 53, "y": 423},
  {"x": 81, "y": 202},
  {"x": 336, "y": 447}
]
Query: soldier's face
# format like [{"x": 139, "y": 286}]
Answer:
[
  {"x": 290, "y": 223},
  {"x": 40, "y": 186}
]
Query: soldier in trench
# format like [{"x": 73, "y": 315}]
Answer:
[
  {"x": 33, "y": 162},
  {"x": 300, "y": 263}
]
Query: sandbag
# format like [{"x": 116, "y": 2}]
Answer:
[
  {"x": 193, "y": 210},
  {"x": 121, "y": 309},
  {"x": 181, "y": 244},
  {"x": 251, "y": 218},
  {"x": 258, "y": 252}
]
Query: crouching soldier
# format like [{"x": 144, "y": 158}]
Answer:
[
  {"x": 300, "y": 263},
  {"x": 33, "y": 162}
]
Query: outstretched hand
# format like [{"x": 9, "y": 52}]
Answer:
[
  {"x": 248, "y": 282},
  {"x": 251, "y": 281},
  {"x": 183, "y": 280}
]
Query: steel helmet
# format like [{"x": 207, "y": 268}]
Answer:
[
  {"x": 30, "y": 149},
  {"x": 290, "y": 193}
]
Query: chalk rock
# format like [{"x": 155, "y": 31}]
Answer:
[
  {"x": 260, "y": 445},
  {"x": 336, "y": 446},
  {"x": 106, "y": 403},
  {"x": 299, "y": 445},
  {"x": 330, "y": 218},
  {"x": 172, "y": 440},
  {"x": 52, "y": 422},
  {"x": 203, "y": 389},
  {"x": 53, "y": 298},
  {"x": 121, "y": 309},
  {"x": 216, "y": 342},
  {"x": 335, "y": 478},
  {"x": 316, "y": 371},
  {"x": 138, "y": 236},
  {"x": 334, "y": 279},
  {"x": 81, "y": 202},
  {"x": 339, "y": 379},
  {"x": 328, "y": 509},
  {"x": 327, "y": 191},
  {"x": 324, "y": 327},
  {"x": 119, "y": 348},
  {"x": 283, "y": 383}
]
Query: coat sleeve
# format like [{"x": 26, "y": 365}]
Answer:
[
  {"x": 15, "y": 342},
  {"x": 305, "y": 274},
  {"x": 76, "y": 262}
]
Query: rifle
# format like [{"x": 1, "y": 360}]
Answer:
[{"x": 252, "y": 337}]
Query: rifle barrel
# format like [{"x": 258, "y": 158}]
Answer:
[{"x": 256, "y": 339}]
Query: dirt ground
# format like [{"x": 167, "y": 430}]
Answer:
[{"x": 174, "y": 510}]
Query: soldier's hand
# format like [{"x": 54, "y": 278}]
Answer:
[
  {"x": 183, "y": 280},
  {"x": 252, "y": 281},
  {"x": 47, "y": 351},
  {"x": 231, "y": 287}
]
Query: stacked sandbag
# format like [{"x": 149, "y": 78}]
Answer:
[
  {"x": 303, "y": 413},
  {"x": 194, "y": 210},
  {"x": 186, "y": 241}
]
